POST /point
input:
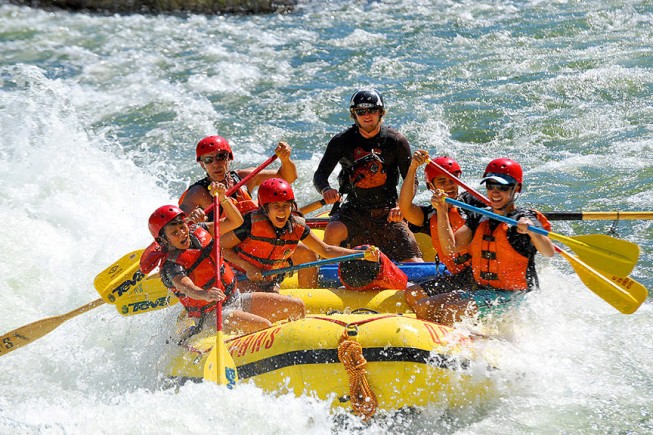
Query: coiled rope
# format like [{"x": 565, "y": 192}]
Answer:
[{"x": 350, "y": 354}]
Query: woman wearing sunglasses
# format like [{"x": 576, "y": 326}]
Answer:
[
  {"x": 372, "y": 156},
  {"x": 503, "y": 257},
  {"x": 214, "y": 155}
]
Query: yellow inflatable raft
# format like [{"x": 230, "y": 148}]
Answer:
[{"x": 368, "y": 361}]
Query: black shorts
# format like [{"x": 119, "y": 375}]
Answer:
[{"x": 371, "y": 227}]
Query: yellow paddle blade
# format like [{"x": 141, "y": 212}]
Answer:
[
  {"x": 26, "y": 334},
  {"x": 150, "y": 295},
  {"x": 606, "y": 253},
  {"x": 220, "y": 367},
  {"x": 625, "y": 294},
  {"x": 121, "y": 277}
]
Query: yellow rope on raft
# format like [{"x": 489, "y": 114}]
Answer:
[{"x": 350, "y": 354}]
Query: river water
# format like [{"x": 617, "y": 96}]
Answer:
[{"x": 99, "y": 116}]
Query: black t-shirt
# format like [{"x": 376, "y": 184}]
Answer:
[{"x": 347, "y": 147}]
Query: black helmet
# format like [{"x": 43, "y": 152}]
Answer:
[{"x": 366, "y": 98}]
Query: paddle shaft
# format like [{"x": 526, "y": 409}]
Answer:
[
  {"x": 32, "y": 332},
  {"x": 246, "y": 178},
  {"x": 216, "y": 246},
  {"x": 598, "y": 215},
  {"x": 356, "y": 256},
  {"x": 315, "y": 205}
]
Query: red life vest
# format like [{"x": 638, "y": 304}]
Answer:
[
  {"x": 495, "y": 262},
  {"x": 151, "y": 258},
  {"x": 368, "y": 169},
  {"x": 200, "y": 268},
  {"x": 459, "y": 261},
  {"x": 264, "y": 248}
]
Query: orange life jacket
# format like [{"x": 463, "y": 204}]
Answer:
[
  {"x": 495, "y": 262},
  {"x": 459, "y": 261},
  {"x": 266, "y": 249},
  {"x": 200, "y": 267}
]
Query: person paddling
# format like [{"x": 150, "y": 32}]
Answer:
[
  {"x": 214, "y": 155},
  {"x": 269, "y": 237},
  {"x": 502, "y": 262},
  {"x": 188, "y": 270},
  {"x": 424, "y": 219}
]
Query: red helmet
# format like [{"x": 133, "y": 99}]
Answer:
[
  {"x": 275, "y": 190},
  {"x": 161, "y": 217},
  {"x": 211, "y": 144},
  {"x": 431, "y": 171},
  {"x": 503, "y": 171}
]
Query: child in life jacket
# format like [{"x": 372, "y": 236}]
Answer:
[
  {"x": 503, "y": 257},
  {"x": 424, "y": 219},
  {"x": 188, "y": 269},
  {"x": 269, "y": 236}
]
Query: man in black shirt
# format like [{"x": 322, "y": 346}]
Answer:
[{"x": 372, "y": 156}]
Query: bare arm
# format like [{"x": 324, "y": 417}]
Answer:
[
  {"x": 316, "y": 245},
  {"x": 186, "y": 285},
  {"x": 287, "y": 171},
  {"x": 196, "y": 197},
  {"x": 543, "y": 244},
  {"x": 409, "y": 210}
]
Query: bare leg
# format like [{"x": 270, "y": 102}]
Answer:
[
  {"x": 445, "y": 309},
  {"x": 306, "y": 278},
  {"x": 413, "y": 260},
  {"x": 274, "y": 307},
  {"x": 414, "y": 294},
  {"x": 335, "y": 233},
  {"x": 244, "y": 323}
]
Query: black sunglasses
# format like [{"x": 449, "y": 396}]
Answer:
[
  {"x": 220, "y": 157},
  {"x": 496, "y": 186},
  {"x": 362, "y": 112}
]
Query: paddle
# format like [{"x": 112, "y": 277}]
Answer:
[
  {"x": 317, "y": 263},
  {"x": 612, "y": 255},
  {"x": 598, "y": 215},
  {"x": 315, "y": 205},
  {"x": 153, "y": 296},
  {"x": 220, "y": 367},
  {"x": 120, "y": 278},
  {"x": 625, "y": 294},
  {"x": 27, "y": 334}
]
